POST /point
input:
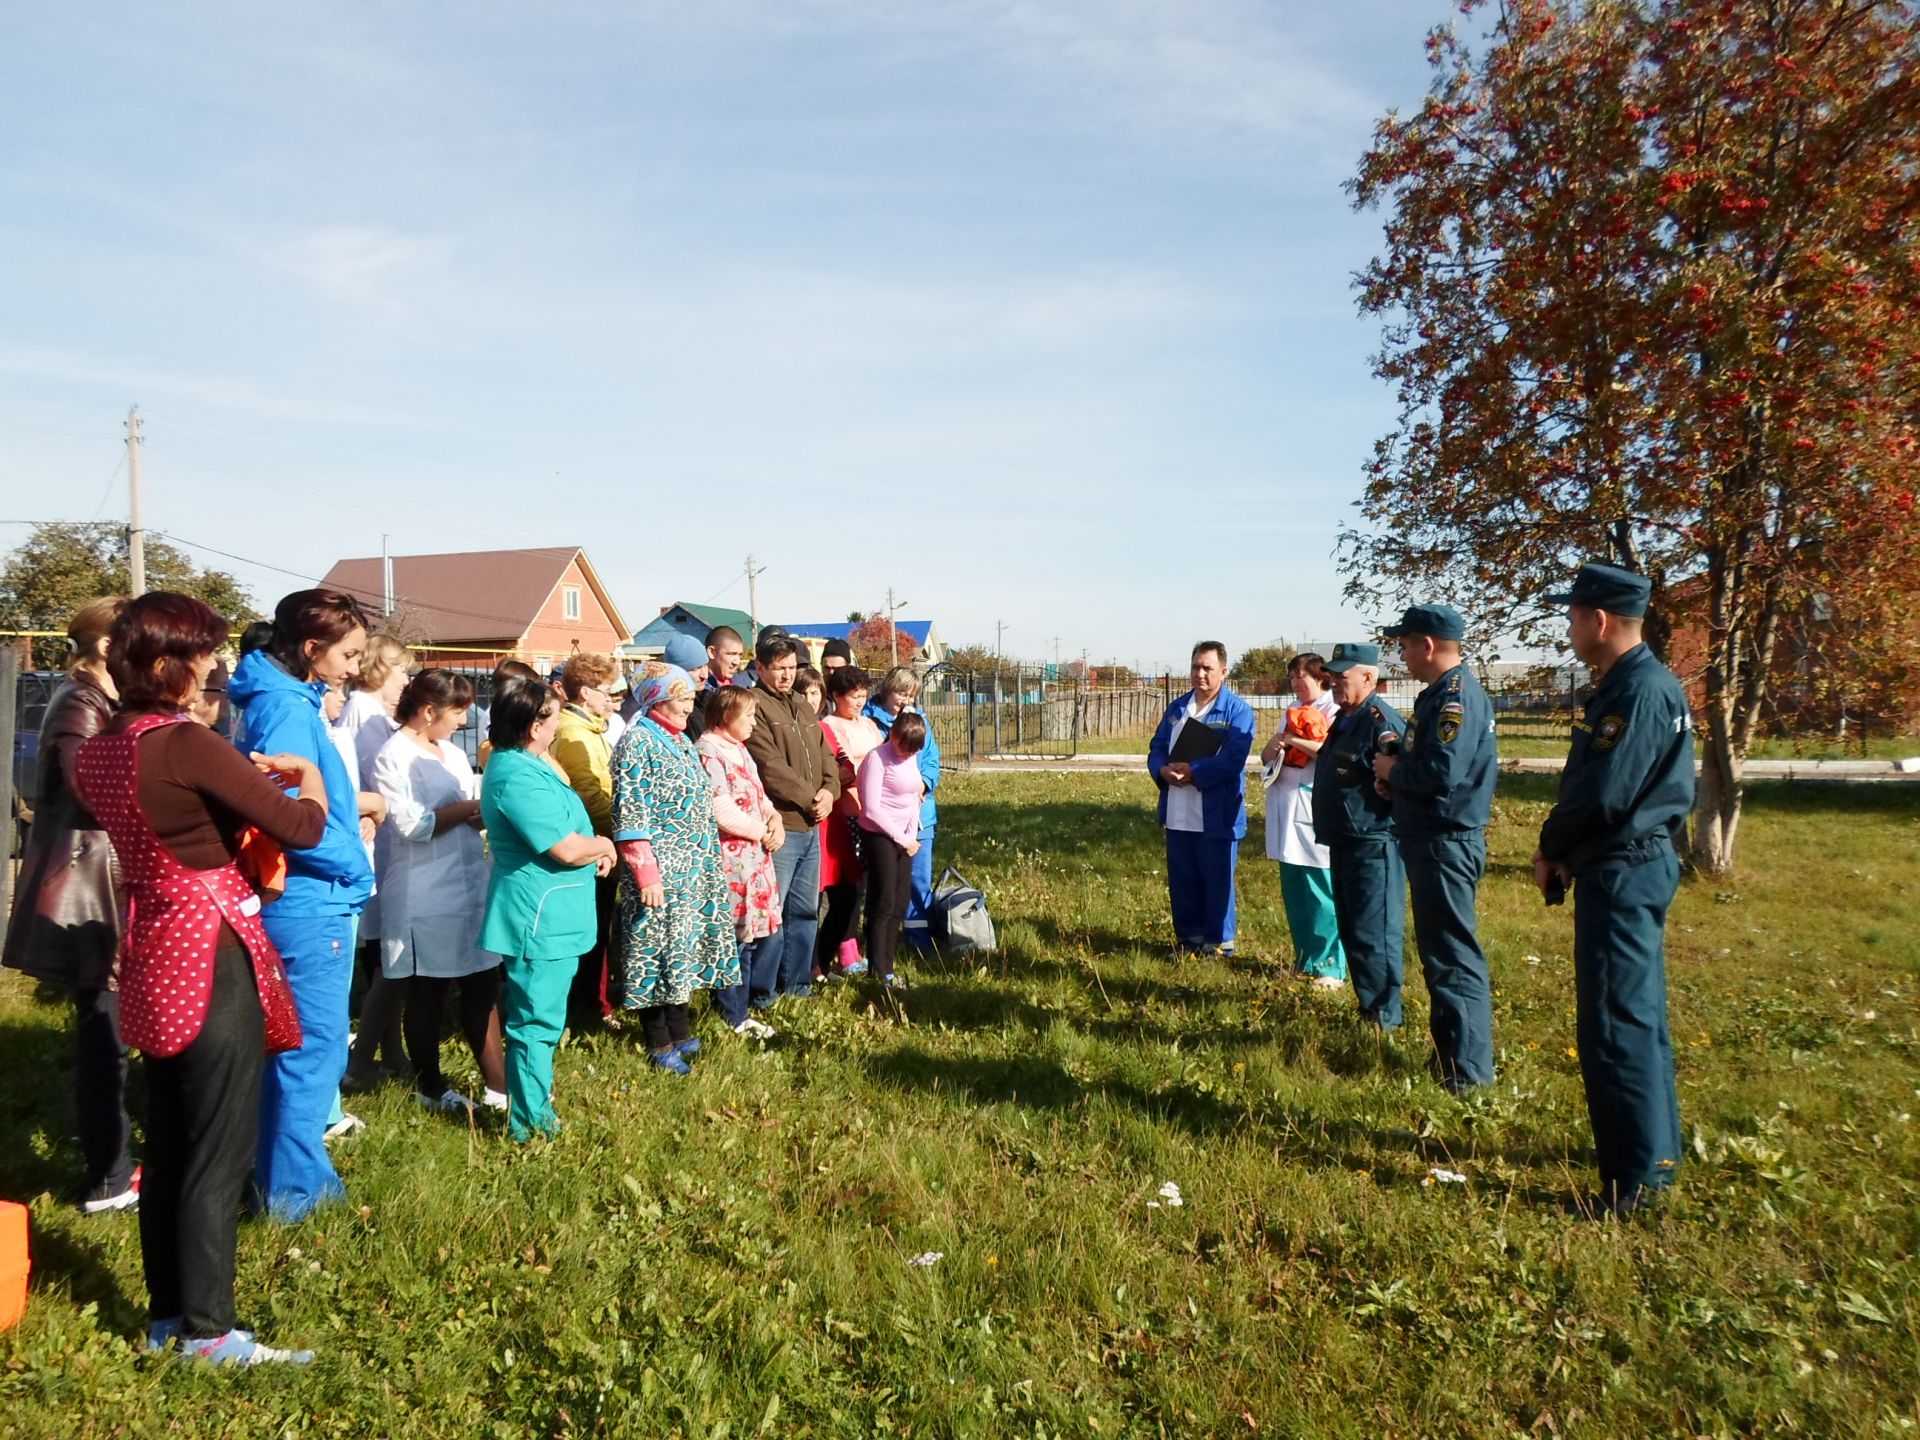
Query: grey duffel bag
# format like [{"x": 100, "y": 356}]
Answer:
[{"x": 958, "y": 918}]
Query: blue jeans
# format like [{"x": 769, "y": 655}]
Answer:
[
  {"x": 292, "y": 1171},
  {"x": 788, "y": 956},
  {"x": 732, "y": 999},
  {"x": 920, "y": 893}
]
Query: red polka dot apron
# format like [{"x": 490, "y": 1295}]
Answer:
[{"x": 175, "y": 914}]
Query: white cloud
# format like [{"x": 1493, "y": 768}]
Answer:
[
  {"x": 136, "y": 380},
  {"x": 1208, "y": 65},
  {"x": 364, "y": 264}
]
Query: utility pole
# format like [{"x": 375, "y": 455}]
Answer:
[
  {"x": 136, "y": 534},
  {"x": 386, "y": 579},
  {"x": 893, "y": 630},
  {"x": 753, "y": 599}
]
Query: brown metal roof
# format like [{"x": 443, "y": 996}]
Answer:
[{"x": 466, "y": 596}]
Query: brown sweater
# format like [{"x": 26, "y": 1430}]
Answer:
[{"x": 199, "y": 793}]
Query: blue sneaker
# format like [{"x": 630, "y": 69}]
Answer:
[
  {"x": 857, "y": 968},
  {"x": 671, "y": 1061},
  {"x": 688, "y": 1046},
  {"x": 800, "y": 992},
  {"x": 162, "y": 1333},
  {"x": 238, "y": 1347},
  {"x": 895, "y": 981}
]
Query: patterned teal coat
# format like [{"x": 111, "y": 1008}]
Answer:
[{"x": 661, "y": 794}]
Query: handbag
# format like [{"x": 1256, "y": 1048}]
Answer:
[{"x": 277, "y": 1005}]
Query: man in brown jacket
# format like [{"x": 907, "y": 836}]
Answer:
[{"x": 803, "y": 782}]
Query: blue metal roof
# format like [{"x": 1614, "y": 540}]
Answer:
[{"x": 842, "y": 629}]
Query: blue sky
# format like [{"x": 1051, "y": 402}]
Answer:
[{"x": 1037, "y": 312}]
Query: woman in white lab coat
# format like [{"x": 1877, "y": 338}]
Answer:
[
  {"x": 433, "y": 887},
  {"x": 1306, "y": 875}
]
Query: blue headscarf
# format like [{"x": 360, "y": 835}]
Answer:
[{"x": 659, "y": 683}]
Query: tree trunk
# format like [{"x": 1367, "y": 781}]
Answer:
[{"x": 1716, "y": 808}]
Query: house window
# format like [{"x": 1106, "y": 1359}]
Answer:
[{"x": 570, "y": 601}]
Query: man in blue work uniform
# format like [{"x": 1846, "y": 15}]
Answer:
[
  {"x": 1442, "y": 788},
  {"x": 1198, "y": 758},
  {"x": 1624, "y": 800},
  {"x": 1355, "y": 822}
]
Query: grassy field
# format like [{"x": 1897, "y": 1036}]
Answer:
[{"x": 729, "y": 1255}]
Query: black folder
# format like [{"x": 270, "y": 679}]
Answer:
[{"x": 1197, "y": 740}]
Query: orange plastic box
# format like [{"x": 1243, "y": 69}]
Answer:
[{"x": 13, "y": 1263}]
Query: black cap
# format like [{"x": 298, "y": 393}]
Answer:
[
  {"x": 1608, "y": 588},
  {"x": 1442, "y": 622},
  {"x": 837, "y": 650}
]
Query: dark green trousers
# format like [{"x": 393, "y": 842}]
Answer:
[
  {"x": 1443, "y": 877},
  {"x": 1626, "y": 1052},
  {"x": 1370, "y": 905}
]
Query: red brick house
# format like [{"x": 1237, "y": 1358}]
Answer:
[{"x": 477, "y": 607}]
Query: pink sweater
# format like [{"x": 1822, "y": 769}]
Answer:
[{"x": 890, "y": 789}]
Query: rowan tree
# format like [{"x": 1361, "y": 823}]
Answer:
[
  {"x": 1651, "y": 293},
  {"x": 869, "y": 643},
  {"x": 58, "y": 568}
]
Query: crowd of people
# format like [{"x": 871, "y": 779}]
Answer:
[
  {"x": 225, "y": 906},
  {"x": 628, "y": 842},
  {"x": 1371, "y": 814}
]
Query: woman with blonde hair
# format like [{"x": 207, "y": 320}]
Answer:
[
  {"x": 67, "y": 906},
  {"x": 582, "y": 749}
]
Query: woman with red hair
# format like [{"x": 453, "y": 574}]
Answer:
[{"x": 203, "y": 995}]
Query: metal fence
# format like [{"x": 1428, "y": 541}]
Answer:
[{"x": 1026, "y": 713}]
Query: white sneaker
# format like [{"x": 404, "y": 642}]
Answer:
[
  {"x": 449, "y": 1100},
  {"x": 494, "y": 1099},
  {"x": 1328, "y": 982},
  {"x": 346, "y": 1125},
  {"x": 752, "y": 1029}
]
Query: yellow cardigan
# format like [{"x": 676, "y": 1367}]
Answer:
[{"x": 580, "y": 745}]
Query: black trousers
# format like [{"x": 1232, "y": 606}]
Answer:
[
  {"x": 203, "y": 1116},
  {"x": 664, "y": 1025},
  {"x": 100, "y": 1091},
  {"x": 426, "y": 1006},
  {"x": 889, "y": 882},
  {"x": 587, "y": 1003},
  {"x": 841, "y": 922}
]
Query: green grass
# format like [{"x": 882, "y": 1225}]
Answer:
[{"x": 728, "y": 1255}]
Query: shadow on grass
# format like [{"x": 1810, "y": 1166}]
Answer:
[
  {"x": 36, "y": 1099},
  {"x": 61, "y": 1260},
  {"x": 1057, "y": 827}
]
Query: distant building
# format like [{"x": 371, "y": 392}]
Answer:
[
  {"x": 478, "y": 607},
  {"x": 930, "y": 649},
  {"x": 681, "y": 618}
]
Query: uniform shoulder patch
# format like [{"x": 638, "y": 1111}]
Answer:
[{"x": 1608, "y": 731}]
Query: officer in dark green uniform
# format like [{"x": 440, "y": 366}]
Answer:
[
  {"x": 1624, "y": 800},
  {"x": 1442, "y": 786},
  {"x": 1355, "y": 822}
]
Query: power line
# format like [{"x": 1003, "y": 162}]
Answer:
[{"x": 107, "y": 493}]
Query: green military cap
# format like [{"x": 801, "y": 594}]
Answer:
[
  {"x": 1442, "y": 622},
  {"x": 1345, "y": 657},
  {"x": 1608, "y": 588}
]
